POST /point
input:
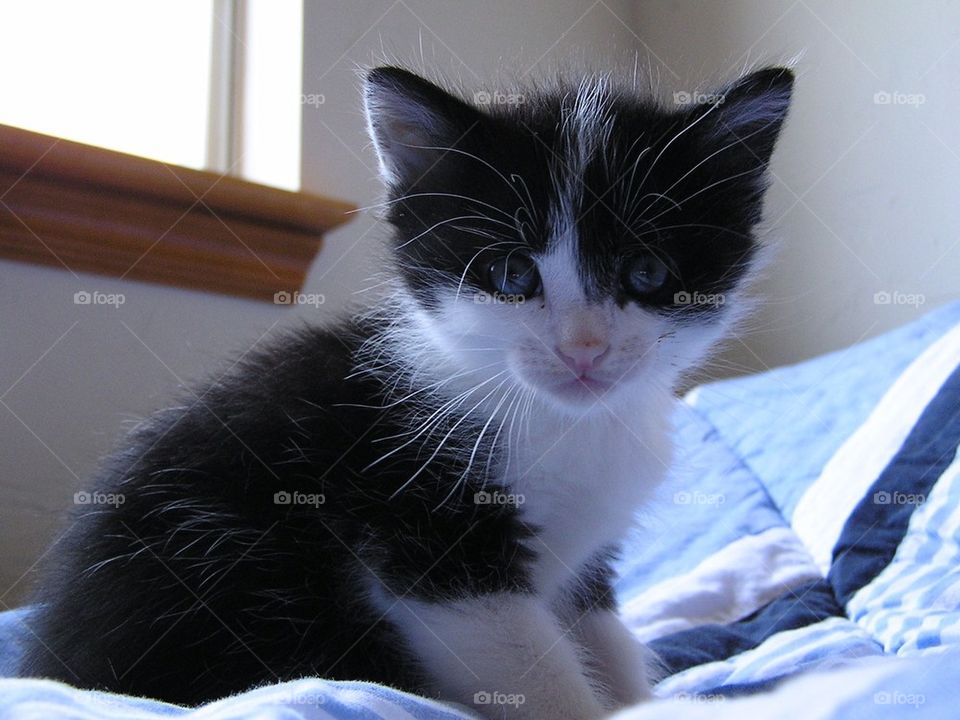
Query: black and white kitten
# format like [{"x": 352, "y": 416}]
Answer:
[{"x": 429, "y": 496}]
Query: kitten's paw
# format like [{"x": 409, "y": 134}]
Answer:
[
  {"x": 569, "y": 708},
  {"x": 620, "y": 664}
]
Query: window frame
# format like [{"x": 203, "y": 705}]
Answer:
[{"x": 89, "y": 209}]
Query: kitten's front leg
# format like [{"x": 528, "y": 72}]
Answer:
[
  {"x": 503, "y": 654},
  {"x": 619, "y": 661}
]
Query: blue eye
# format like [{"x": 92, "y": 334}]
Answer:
[
  {"x": 515, "y": 275},
  {"x": 644, "y": 275}
]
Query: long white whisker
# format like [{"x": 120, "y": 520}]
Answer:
[
  {"x": 446, "y": 437},
  {"x": 709, "y": 157},
  {"x": 518, "y": 395},
  {"x": 466, "y": 269},
  {"x": 708, "y": 187},
  {"x": 449, "y": 220},
  {"x": 480, "y": 160},
  {"x": 476, "y": 445},
  {"x": 674, "y": 139},
  {"x": 432, "y": 194},
  {"x": 438, "y": 414},
  {"x": 418, "y": 391}
]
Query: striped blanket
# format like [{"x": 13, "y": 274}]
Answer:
[
  {"x": 812, "y": 524},
  {"x": 815, "y": 517}
]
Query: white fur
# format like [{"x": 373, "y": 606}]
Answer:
[
  {"x": 619, "y": 663},
  {"x": 508, "y": 647}
]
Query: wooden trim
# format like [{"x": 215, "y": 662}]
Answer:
[{"x": 94, "y": 210}]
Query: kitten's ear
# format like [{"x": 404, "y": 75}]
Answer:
[
  {"x": 750, "y": 113},
  {"x": 411, "y": 122}
]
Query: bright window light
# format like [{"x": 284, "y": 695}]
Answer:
[
  {"x": 136, "y": 77},
  {"x": 130, "y": 76},
  {"x": 271, "y": 93}
]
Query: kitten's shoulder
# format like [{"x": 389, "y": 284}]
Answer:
[
  {"x": 303, "y": 382},
  {"x": 318, "y": 358}
]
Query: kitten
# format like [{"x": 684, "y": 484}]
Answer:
[{"x": 430, "y": 495}]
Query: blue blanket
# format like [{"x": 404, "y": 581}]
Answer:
[{"x": 812, "y": 524}]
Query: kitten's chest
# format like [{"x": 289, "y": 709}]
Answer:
[{"x": 580, "y": 488}]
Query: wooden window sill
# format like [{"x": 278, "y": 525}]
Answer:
[{"x": 89, "y": 209}]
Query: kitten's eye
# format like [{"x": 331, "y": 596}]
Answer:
[
  {"x": 514, "y": 274},
  {"x": 644, "y": 275}
]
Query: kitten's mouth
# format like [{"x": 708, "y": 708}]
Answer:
[{"x": 583, "y": 387}]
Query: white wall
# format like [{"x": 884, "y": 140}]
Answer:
[
  {"x": 866, "y": 196},
  {"x": 72, "y": 377}
]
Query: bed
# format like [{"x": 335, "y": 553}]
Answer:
[{"x": 803, "y": 560}]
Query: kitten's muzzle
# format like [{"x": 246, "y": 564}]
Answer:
[{"x": 583, "y": 357}]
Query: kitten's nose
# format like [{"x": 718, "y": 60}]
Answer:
[{"x": 584, "y": 356}]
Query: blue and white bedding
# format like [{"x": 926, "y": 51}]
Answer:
[{"x": 812, "y": 524}]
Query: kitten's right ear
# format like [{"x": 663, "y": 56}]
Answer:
[{"x": 412, "y": 123}]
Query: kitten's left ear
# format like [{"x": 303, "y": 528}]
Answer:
[
  {"x": 412, "y": 122},
  {"x": 751, "y": 111}
]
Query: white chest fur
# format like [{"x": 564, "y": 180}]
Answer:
[{"x": 582, "y": 480}]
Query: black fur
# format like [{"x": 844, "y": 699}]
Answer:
[
  {"x": 203, "y": 582},
  {"x": 199, "y": 584}
]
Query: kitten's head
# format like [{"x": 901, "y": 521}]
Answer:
[{"x": 584, "y": 240}]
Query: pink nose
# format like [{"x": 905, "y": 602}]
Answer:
[{"x": 583, "y": 357}]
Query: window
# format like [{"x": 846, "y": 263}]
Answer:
[
  {"x": 208, "y": 84},
  {"x": 213, "y": 85}
]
